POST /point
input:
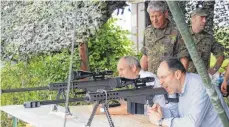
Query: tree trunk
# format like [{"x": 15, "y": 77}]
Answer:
[
  {"x": 198, "y": 62},
  {"x": 83, "y": 51}
]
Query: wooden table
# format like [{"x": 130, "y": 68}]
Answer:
[{"x": 45, "y": 117}]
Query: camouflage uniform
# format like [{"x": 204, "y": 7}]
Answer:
[
  {"x": 162, "y": 43},
  {"x": 205, "y": 44}
]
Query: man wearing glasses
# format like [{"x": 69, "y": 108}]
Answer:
[{"x": 194, "y": 106}]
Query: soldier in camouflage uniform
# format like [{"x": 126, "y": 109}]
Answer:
[
  {"x": 205, "y": 42},
  {"x": 161, "y": 39}
]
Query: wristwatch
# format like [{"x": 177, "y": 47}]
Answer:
[{"x": 159, "y": 122}]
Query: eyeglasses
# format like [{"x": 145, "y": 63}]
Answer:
[{"x": 164, "y": 76}]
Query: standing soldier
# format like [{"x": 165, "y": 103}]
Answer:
[
  {"x": 161, "y": 39},
  {"x": 205, "y": 42}
]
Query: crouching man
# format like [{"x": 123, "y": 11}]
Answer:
[{"x": 194, "y": 106}]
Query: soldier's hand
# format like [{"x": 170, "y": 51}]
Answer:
[{"x": 224, "y": 87}]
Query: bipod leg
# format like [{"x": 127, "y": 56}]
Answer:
[
  {"x": 92, "y": 114},
  {"x": 54, "y": 108},
  {"x": 111, "y": 123}
]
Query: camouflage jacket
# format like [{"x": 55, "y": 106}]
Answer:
[
  {"x": 205, "y": 44},
  {"x": 162, "y": 43}
]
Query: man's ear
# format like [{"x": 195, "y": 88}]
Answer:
[
  {"x": 193, "y": 18},
  {"x": 178, "y": 74},
  {"x": 166, "y": 14},
  {"x": 133, "y": 68}
]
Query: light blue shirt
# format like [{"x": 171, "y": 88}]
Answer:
[{"x": 194, "y": 107}]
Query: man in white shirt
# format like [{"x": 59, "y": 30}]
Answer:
[{"x": 129, "y": 67}]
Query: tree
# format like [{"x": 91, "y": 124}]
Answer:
[{"x": 33, "y": 27}]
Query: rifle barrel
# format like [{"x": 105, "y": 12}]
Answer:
[
  {"x": 34, "y": 104},
  {"x": 24, "y": 89}
]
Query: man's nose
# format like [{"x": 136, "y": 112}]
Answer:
[
  {"x": 154, "y": 19},
  {"x": 161, "y": 82},
  {"x": 204, "y": 20}
]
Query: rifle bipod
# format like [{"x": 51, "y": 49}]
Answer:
[
  {"x": 105, "y": 107},
  {"x": 55, "y": 108}
]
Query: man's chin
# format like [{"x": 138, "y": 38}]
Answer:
[
  {"x": 157, "y": 26},
  {"x": 202, "y": 28}
]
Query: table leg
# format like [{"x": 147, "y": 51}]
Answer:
[{"x": 15, "y": 122}]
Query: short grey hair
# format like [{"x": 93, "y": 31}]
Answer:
[
  {"x": 157, "y": 6},
  {"x": 132, "y": 61}
]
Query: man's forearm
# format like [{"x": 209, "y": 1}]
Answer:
[
  {"x": 226, "y": 77},
  {"x": 219, "y": 62},
  {"x": 120, "y": 110},
  {"x": 144, "y": 62}
]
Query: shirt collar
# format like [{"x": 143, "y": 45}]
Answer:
[
  {"x": 185, "y": 84},
  {"x": 190, "y": 29},
  {"x": 141, "y": 71}
]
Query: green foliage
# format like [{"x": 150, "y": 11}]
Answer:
[
  {"x": 109, "y": 44},
  {"x": 39, "y": 71},
  {"x": 105, "y": 49},
  {"x": 222, "y": 36},
  {"x": 223, "y": 66}
]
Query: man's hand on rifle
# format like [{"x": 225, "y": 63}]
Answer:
[{"x": 155, "y": 113}]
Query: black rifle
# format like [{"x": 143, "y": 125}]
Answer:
[
  {"x": 87, "y": 86},
  {"x": 92, "y": 86},
  {"x": 140, "y": 95},
  {"x": 106, "y": 84},
  {"x": 62, "y": 87},
  {"x": 76, "y": 75}
]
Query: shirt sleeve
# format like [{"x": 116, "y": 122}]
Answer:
[
  {"x": 170, "y": 110},
  {"x": 199, "y": 107},
  {"x": 217, "y": 49},
  {"x": 182, "y": 51},
  {"x": 143, "y": 49}
]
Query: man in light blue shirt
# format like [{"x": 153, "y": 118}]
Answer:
[{"x": 194, "y": 106}]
